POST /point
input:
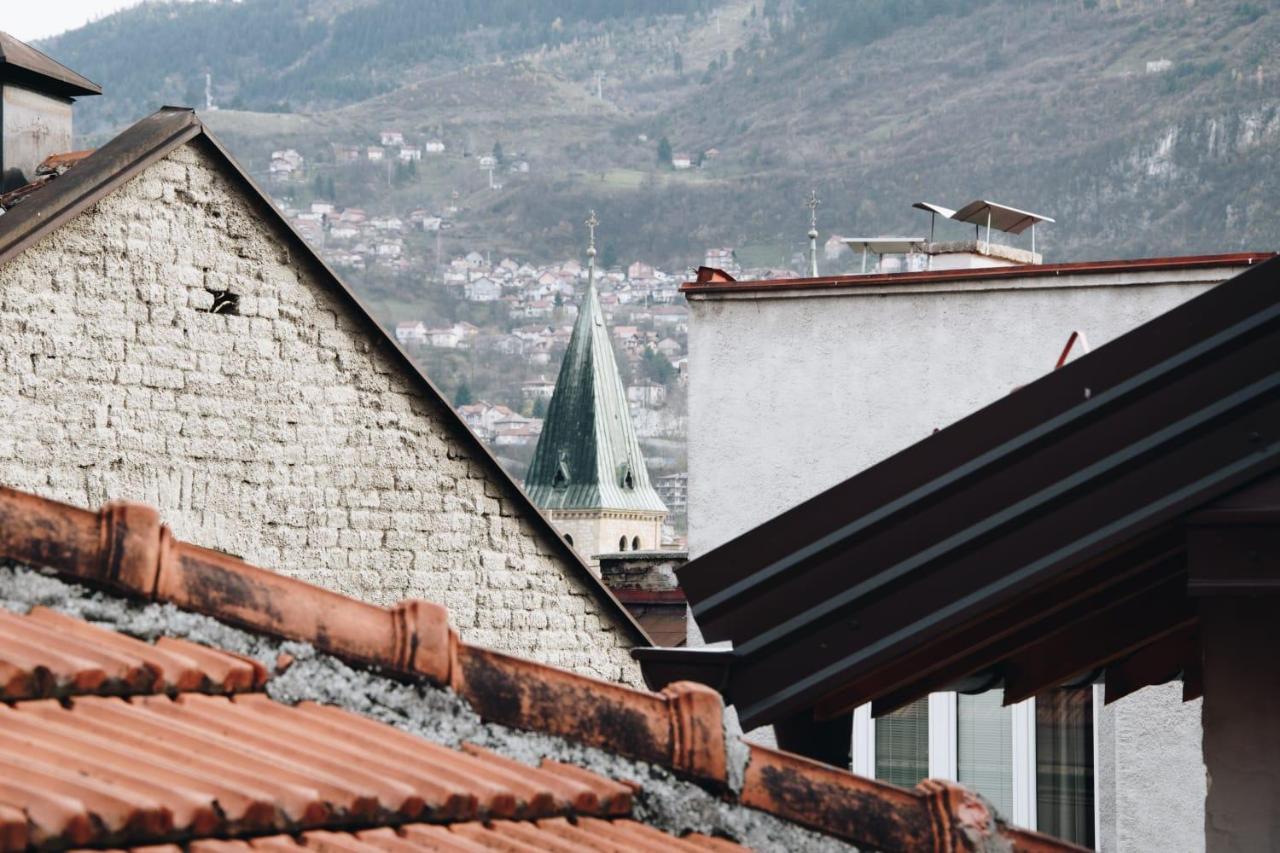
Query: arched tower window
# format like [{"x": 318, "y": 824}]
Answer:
[
  {"x": 635, "y": 543},
  {"x": 568, "y": 538},
  {"x": 622, "y": 544}
]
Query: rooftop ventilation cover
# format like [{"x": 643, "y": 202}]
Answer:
[
  {"x": 998, "y": 216},
  {"x": 1001, "y": 217}
]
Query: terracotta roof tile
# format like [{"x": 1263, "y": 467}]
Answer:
[
  {"x": 46, "y": 653},
  {"x": 441, "y": 839},
  {"x": 13, "y": 829},
  {"x": 614, "y": 797},
  {"x": 234, "y": 673},
  {"x": 148, "y": 768},
  {"x": 552, "y": 835}
]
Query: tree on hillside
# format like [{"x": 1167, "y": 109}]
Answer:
[
  {"x": 664, "y": 152},
  {"x": 497, "y": 153},
  {"x": 677, "y": 63},
  {"x": 462, "y": 397},
  {"x": 608, "y": 255},
  {"x": 656, "y": 366},
  {"x": 322, "y": 186}
]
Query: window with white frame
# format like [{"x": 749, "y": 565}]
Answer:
[{"x": 1034, "y": 761}]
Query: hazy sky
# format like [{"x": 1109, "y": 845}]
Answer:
[{"x": 34, "y": 19}]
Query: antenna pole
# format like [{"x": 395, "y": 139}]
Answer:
[
  {"x": 1033, "y": 238},
  {"x": 812, "y": 204}
]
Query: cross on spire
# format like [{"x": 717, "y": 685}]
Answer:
[
  {"x": 591, "y": 224},
  {"x": 812, "y": 204}
]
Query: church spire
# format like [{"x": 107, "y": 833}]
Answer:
[{"x": 588, "y": 456}]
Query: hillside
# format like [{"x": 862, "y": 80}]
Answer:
[
  {"x": 1048, "y": 105},
  {"x": 284, "y": 56}
]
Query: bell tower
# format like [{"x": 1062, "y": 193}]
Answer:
[{"x": 588, "y": 472}]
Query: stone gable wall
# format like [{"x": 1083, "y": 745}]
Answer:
[{"x": 283, "y": 434}]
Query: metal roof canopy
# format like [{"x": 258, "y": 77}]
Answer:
[
  {"x": 998, "y": 216},
  {"x": 884, "y": 246},
  {"x": 934, "y": 211},
  {"x": 22, "y": 64},
  {"x": 937, "y": 209},
  {"x": 1039, "y": 541}
]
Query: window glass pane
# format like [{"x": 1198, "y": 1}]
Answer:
[
  {"x": 902, "y": 744},
  {"x": 1064, "y": 764},
  {"x": 984, "y": 748}
]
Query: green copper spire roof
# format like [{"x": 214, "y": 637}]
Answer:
[{"x": 588, "y": 456}]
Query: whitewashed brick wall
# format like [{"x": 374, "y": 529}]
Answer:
[{"x": 282, "y": 435}]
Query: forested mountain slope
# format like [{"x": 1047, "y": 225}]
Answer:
[{"x": 1061, "y": 106}]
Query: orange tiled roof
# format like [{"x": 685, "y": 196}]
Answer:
[
  {"x": 171, "y": 765},
  {"x": 155, "y": 768},
  {"x": 46, "y": 653},
  {"x": 555, "y": 834}
]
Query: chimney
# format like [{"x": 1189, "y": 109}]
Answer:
[{"x": 35, "y": 109}]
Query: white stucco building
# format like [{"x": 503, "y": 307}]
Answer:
[{"x": 797, "y": 385}]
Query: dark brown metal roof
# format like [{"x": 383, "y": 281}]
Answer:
[
  {"x": 152, "y": 138},
  {"x": 95, "y": 176},
  {"x": 22, "y": 64},
  {"x": 711, "y": 286},
  {"x": 1040, "y": 540}
]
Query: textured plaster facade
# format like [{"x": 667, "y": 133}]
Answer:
[
  {"x": 794, "y": 391},
  {"x": 1151, "y": 773},
  {"x": 284, "y": 434},
  {"x": 1241, "y": 743}
]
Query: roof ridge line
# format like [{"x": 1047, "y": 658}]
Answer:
[{"x": 124, "y": 548}]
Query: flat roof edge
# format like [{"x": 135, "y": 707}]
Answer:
[{"x": 985, "y": 274}]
